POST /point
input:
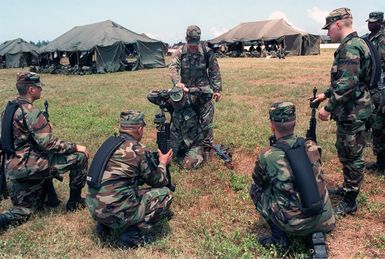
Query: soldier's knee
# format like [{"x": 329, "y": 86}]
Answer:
[{"x": 191, "y": 163}]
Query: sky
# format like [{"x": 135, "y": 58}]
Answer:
[{"x": 167, "y": 20}]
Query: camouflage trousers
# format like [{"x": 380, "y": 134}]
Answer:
[
  {"x": 153, "y": 206},
  {"x": 207, "y": 117},
  {"x": 378, "y": 133},
  {"x": 26, "y": 193},
  {"x": 297, "y": 223},
  {"x": 350, "y": 145}
]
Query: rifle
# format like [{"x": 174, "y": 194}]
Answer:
[
  {"x": 221, "y": 152},
  {"x": 45, "y": 112},
  {"x": 311, "y": 132},
  {"x": 163, "y": 139}
]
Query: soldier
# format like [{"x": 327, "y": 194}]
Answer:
[
  {"x": 37, "y": 156},
  {"x": 349, "y": 103},
  {"x": 195, "y": 65},
  {"x": 118, "y": 204},
  {"x": 377, "y": 37},
  {"x": 275, "y": 190},
  {"x": 186, "y": 130}
]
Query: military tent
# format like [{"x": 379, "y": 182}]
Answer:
[
  {"x": 18, "y": 53},
  {"x": 296, "y": 42},
  {"x": 110, "y": 45}
]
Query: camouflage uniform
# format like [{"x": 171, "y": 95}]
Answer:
[
  {"x": 119, "y": 203},
  {"x": 349, "y": 102},
  {"x": 187, "y": 131},
  {"x": 198, "y": 69},
  {"x": 39, "y": 156},
  {"x": 273, "y": 190},
  {"x": 378, "y": 122}
]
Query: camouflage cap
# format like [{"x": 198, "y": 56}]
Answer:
[
  {"x": 28, "y": 78},
  {"x": 337, "y": 14},
  {"x": 376, "y": 17},
  {"x": 282, "y": 112},
  {"x": 193, "y": 34},
  {"x": 176, "y": 94},
  {"x": 131, "y": 118}
]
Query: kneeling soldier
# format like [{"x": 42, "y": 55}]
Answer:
[
  {"x": 288, "y": 189},
  {"x": 34, "y": 156},
  {"x": 120, "y": 166}
]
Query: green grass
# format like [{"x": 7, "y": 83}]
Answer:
[{"x": 214, "y": 217}]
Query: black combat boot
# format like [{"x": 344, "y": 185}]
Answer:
[
  {"x": 49, "y": 194},
  {"x": 339, "y": 191},
  {"x": 131, "y": 238},
  {"x": 277, "y": 238},
  {"x": 102, "y": 231},
  {"x": 348, "y": 205},
  {"x": 4, "y": 222},
  {"x": 318, "y": 246},
  {"x": 379, "y": 165},
  {"x": 75, "y": 201}
]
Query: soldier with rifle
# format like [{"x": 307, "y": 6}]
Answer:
[
  {"x": 288, "y": 189},
  {"x": 116, "y": 199},
  {"x": 32, "y": 156}
]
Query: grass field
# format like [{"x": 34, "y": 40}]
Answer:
[{"x": 214, "y": 216}]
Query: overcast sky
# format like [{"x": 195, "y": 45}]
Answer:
[{"x": 167, "y": 20}]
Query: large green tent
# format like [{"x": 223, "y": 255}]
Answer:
[
  {"x": 296, "y": 42},
  {"x": 110, "y": 44},
  {"x": 18, "y": 53}
]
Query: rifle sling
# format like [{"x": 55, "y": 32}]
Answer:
[{"x": 101, "y": 158}]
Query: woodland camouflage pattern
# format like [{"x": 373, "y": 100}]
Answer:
[
  {"x": 192, "y": 70},
  {"x": 120, "y": 203},
  {"x": 351, "y": 106},
  {"x": 378, "y": 125},
  {"x": 274, "y": 193},
  {"x": 39, "y": 155}
]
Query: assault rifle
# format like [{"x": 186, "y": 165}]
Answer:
[
  {"x": 163, "y": 139},
  {"x": 311, "y": 132},
  {"x": 45, "y": 112}
]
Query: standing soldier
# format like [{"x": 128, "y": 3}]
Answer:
[
  {"x": 377, "y": 37},
  {"x": 115, "y": 199},
  {"x": 349, "y": 103},
  {"x": 195, "y": 65},
  {"x": 36, "y": 155},
  {"x": 281, "y": 188}
]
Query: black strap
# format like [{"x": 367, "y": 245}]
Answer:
[
  {"x": 7, "y": 144},
  {"x": 304, "y": 176},
  {"x": 376, "y": 64},
  {"x": 101, "y": 158}
]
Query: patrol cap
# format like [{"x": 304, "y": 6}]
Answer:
[
  {"x": 376, "y": 17},
  {"x": 176, "y": 94},
  {"x": 282, "y": 112},
  {"x": 337, "y": 14},
  {"x": 193, "y": 34},
  {"x": 28, "y": 78},
  {"x": 131, "y": 118}
]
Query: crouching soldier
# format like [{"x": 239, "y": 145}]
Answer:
[
  {"x": 120, "y": 166},
  {"x": 34, "y": 156},
  {"x": 288, "y": 189}
]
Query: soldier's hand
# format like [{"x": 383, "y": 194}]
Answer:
[
  {"x": 182, "y": 85},
  {"x": 217, "y": 96},
  {"x": 323, "y": 114},
  {"x": 165, "y": 158},
  {"x": 318, "y": 98},
  {"x": 83, "y": 149}
]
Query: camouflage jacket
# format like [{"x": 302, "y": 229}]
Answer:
[
  {"x": 33, "y": 141},
  {"x": 126, "y": 170},
  {"x": 378, "y": 40},
  {"x": 274, "y": 177},
  {"x": 348, "y": 96},
  {"x": 195, "y": 69}
]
